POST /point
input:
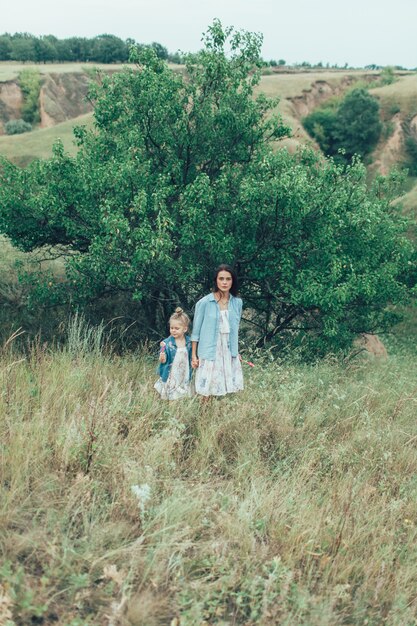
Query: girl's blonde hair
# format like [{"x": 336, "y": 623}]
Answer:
[{"x": 180, "y": 316}]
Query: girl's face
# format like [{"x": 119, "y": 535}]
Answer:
[
  {"x": 177, "y": 329},
  {"x": 224, "y": 281}
]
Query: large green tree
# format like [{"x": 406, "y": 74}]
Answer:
[{"x": 181, "y": 173}]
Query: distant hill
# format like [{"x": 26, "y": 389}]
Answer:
[{"x": 63, "y": 105}]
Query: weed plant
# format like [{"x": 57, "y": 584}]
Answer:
[{"x": 293, "y": 502}]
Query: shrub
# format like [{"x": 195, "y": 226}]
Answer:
[
  {"x": 358, "y": 124},
  {"x": 354, "y": 126},
  {"x": 394, "y": 109},
  {"x": 17, "y": 127},
  {"x": 320, "y": 124},
  {"x": 410, "y": 147},
  {"x": 387, "y": 76},
  {"x": 30, "y": 84}
]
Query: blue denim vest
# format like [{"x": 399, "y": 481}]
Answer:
[{"x": 171, "y": 351}]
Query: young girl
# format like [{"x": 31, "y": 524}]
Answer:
[
  {"x": 175, "y": 359},
  {"x": 215, "y": 337}
]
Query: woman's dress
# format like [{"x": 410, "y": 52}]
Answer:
[{"x": 224, "y": 374}]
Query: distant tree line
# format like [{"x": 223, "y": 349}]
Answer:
[
  {"x": 306, "y": 65},
  {"x": 25, "y": 47}
]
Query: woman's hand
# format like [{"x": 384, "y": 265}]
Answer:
[{"x": 194, "y": 362}]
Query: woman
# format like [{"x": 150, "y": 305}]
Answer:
[{"x": 215, "y": 337}]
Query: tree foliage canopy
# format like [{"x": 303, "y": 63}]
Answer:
[
  {"x": 353, "y": 128},
  {"x": 179, "y": 174}
]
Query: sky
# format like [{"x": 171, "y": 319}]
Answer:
[{"x": 356, "y": 32}]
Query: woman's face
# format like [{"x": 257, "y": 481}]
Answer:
[{"x": 224, "y": 281}]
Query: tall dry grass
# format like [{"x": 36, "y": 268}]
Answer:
[{"x": 291, "y": 503}]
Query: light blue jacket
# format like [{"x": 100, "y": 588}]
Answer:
[{"x": 206, "y": 326}]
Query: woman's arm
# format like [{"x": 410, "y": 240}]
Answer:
[
  {"x": 194, "y": 357},
  {"x": 200, "y": 308}
]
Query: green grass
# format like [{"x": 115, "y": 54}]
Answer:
[
  {"x": 293, "y": 85},
  {"x": 294, "y": 502},
  {"x": 409, "y": 201},
  {"x": 10, "y": 70},
  {"x": 400, "y": 94},
  {"x": 22, "y": 149}
]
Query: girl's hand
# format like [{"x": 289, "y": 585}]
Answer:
[
  {"x": 162, "y": 355},
  {"x": 195, "y": 362}
]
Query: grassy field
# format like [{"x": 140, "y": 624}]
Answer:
[
  {"x": 10, "y": 70},
  {"x": 293, "y": 85},
  {"x": 401, "y": 95},
  {"x": 22, "y": 149},
  {"x": 292, "y": 503}
]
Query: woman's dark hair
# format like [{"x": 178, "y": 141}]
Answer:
[{"x": 226, "y": 268}]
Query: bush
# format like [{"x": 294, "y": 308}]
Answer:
[
  {"x": 388, "y": 76},
  {"x": 30, "y": 84},
  {"x": 410, "y": 146},
  {"x": 358, "y": 124},
  {"x": 354, "y": 127},
  {"x": 320, "y": 124},
  {"x": 17, "y": 127},
  {"x": 394, "y": 109}
]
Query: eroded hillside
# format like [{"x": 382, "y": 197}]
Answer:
[{"x": 62, "y": 97}]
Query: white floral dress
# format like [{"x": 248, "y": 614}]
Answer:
[
  {"x": 224, "y": 374},
  {"x": 178, "y": 382}
]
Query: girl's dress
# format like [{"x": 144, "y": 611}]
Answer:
[
  {"x": 224, "y": 374},
  {"x": 178, "y": 382}
]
